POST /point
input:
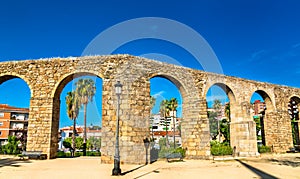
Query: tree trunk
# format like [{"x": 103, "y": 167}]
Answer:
[
  {"x": 84, "y": 130},
  {"x": 73, "y": 137},
  {"x": 174, "y": 131},
  {"x": 167, "y": 142}
]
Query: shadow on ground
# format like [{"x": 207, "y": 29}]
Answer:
[
  {"x": 288, "y": 162},
  {"x": 12, "y": 162},
  {"x": 129, "y": 171},
  {"x": 257, "y": 171}
]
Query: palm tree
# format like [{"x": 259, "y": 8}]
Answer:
[
  {"x": 217, "y": 106},
  {"x": 173, "y": 104},
  {"x": 72, "y": 112},
  {"x": 227, "y": 111},
  {"x": 85, "y": 89},
  {"x": 152, "y": 104},
  {"x": 165, "y": 111}
]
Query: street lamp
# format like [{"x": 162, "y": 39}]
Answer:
[
  {"x": 117, "y": 169},
  {"x": 146, "y": 144}
]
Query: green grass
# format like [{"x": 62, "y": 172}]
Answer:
[
  {"x": 218, "y": 149},
  {"x": 62, "y": 154}
]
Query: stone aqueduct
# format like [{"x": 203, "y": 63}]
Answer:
[{"x": 47, "y": 77}]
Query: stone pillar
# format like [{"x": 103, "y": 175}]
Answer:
[
  {"x": 243, "y": 138},
  {"x": 243, "y": 131},
  {"x": 134, "y": 121},
  {"x": 195, "y": 130},
  {"x": 108, "y": 122},
  {"x": 42, "y": 131},
  {"x": 278, "y": 131}
]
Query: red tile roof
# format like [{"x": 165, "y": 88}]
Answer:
[
  {"x": 7, "y": 108},
  {"x": 163, "y": 133}
]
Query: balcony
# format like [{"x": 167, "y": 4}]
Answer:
[
  {"x": 19, "y": 118},
  {"x": 18, "y": 129}
]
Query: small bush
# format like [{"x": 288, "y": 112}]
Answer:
[
  {"x": 12, "y": 146},
  {"x": 264, "y": 149},
  {"x": 218, "y": 148},
  {"x": 78, "y": 154},
  {"x": 180, "y": 150},
  {"x": 93, "y": 153},
  {"x": 164, "y": 151},
  {"x": 61, "y": 154}
]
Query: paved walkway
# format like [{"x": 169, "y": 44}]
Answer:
[{"x": 273, "y": 166}]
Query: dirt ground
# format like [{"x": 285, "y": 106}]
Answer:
[{"x": 265, "y": 166}]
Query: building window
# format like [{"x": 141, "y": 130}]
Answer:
[
  {"x": 0, "y": 133},
  {"x": 1, "y": 114},
  {"x": 1, "y": 123}
]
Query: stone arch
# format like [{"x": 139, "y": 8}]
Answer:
[
  {"x": 226, "y": 89},
  {"x": 64, "y": 80},
  {"x": 194, "y": 124},
  {"x": 296, "y": 98},
  {"x": 265, "y": 117},
  {"x": 174, "y": 80},
  {"x": 6, "y": 77},
  {"x": 231, "y": 95},
  {"x": 266, "y": 97}
]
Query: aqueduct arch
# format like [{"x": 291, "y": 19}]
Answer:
[
  {"x": 44, "y": 76},
  {"x": 266, "y": 125},
  {"x": 10, "y": 76},
  {"x": 59, "y": 86}
]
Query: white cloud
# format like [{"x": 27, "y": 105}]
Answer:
[{"x": 257, "y": 55}]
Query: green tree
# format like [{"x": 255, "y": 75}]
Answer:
[
  {"x": 225, "y": 123},
  {"x": 213, "y": 124},
  {"x": 95, "y": 142},
  {"x": 217, "y": 107},
  {"x": 12, "y": 146},
  {"x": 227, "y": 111},
  {"x": 258, "y": 126},
  {"x": 224, "y": 129},
  {"x": 173, "y": 104},
  {"x": 165, "y": 111},
  {"x": 85, "y": 89},
  {"x": 67, "y": 143},
  {"x": 73, "y": 106}
]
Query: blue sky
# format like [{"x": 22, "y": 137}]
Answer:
[{"x": 257, "y": 40}]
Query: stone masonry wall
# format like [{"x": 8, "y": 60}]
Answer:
[{"x": 46, "y": 79}]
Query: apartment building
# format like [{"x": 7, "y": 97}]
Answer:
[{"x": 13, "y": 122}]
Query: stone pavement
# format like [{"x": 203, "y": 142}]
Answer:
[{"x": 272, "y": 166}]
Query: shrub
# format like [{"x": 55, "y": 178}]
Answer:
[
  {"x": 218, "y": 148},
  {"x": 60, "y": 154},
  {"x": 164, "y": 151},
  {"x": 78, "y": 154},
  {"x": 264, "y": 149},
  {"x": 93, "y": 153},
  {"x": 12, "y": 146}
]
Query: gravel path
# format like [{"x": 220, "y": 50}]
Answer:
[{"x": 266, "y": 166}]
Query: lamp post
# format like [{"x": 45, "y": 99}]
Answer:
[
  {"x": 117, "y": 169},
  {"x": 146, "y": 144}
]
